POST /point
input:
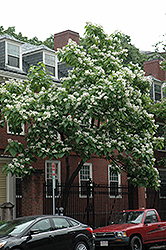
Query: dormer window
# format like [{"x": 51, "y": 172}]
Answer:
[
  {"x": 13, "y": 58},
  {"x": 157, "y": 92},
  {"x": 50, "y": 63},
  {"x": 13, "y": 55}
]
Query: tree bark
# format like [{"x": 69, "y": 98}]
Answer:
[{"x": 68, "y": 184}]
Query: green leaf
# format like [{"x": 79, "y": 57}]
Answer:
[{"x": 13, "y": 152}]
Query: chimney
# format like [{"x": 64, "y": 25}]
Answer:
[
  {"x": 61, "y": 38},
  {"x": 153, "y": 68}
]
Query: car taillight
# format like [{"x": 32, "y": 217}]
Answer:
[{"x": 90, "y": 229}]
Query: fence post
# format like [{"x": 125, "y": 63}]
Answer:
[
  {"x": 88, "y": 195},
  {"x": 93, "y": 197}
]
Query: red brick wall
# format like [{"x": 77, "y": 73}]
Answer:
[
  {"x": 32, "y": 194},
  {"x": 153, "y": 68},
  {"x": 61, "y": 39}
]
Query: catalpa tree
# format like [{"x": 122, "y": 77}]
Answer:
[{"x": 100, "y": 109}]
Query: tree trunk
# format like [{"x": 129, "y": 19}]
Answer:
[{"x": 68, "y": 184}]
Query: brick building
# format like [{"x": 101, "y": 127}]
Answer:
[
  {"x": 32, "y": 195},
  {"x": 153, "y": 69}
]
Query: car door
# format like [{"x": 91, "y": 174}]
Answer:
[
  {"x": 152, "y": 227},
  {"x": 63, "y": 234},
  {"x": 40, "y": 236}
]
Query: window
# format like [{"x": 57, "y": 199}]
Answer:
[
  {"x": 50, "y": 63},
  {"x": 49, "y": 188},
  {"x": 42, "y": 226},
  {"x": 13, "y": 55},
  {"x": 114, "y": 182},
  {"x": 161, "y": 133},
  {"x": 18, "y": 187},
  {"x": 163, "y": 183},
  {"x": 151, "y": 217},
  {"x": 22, "y": 129},
  {"x": 85, "y": 175},
  {"x": 73, "y": 222},
  {"x": 60, "y": 223},
  {"x": 157, "y": 92}
]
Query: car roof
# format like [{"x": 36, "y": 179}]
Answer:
[
  {"x": 137, "y": 210},
  {"x": 38, "y": 217}
]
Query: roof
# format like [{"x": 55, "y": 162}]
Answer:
[
  {"x": 155, "y": 79},
  {"x": 6, "y": 36},
  {"x": 28, "y": 48}
]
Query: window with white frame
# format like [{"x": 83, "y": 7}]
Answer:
[
  {"x": 49, "y": 182},
  {"x": 13, "y": 55},
  {"x": 161, "y": 133},
  {"x": 22, "y": 129},
  {"x": 50, "y": 63},
  {"x": 114, "y": 182},
  {"x": 162, "y": 173},
  {"x": 85, "y": 175},
  {"x": 157, "y": 91},
  {"x": 18, "y": 187}
]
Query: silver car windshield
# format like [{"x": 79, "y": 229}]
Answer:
[{"x": 134, "y": 217}]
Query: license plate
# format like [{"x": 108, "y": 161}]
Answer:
[{"x": 104, "y": 243}]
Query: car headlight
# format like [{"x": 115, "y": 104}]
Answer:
[
  {"x": 121, "y": 234},
  {"x": 2, "y": 243}
]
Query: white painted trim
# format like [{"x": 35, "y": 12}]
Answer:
[
  {"x": 85, "y": 164},
  {"x": 119, "y": 183},
  {"x": 22, "y": 133},
  {"x": 55, "y": 56},
  {"x": 6, "y": 54}
]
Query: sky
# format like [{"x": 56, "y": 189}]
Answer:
[{"x": 143, "y": 20}]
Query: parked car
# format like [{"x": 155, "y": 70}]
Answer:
[
  {"x": 134, "y": 228},
  {"x": 45, "y": 232}
]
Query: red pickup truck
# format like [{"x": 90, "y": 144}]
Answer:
[{"x": 134, "y": 228}]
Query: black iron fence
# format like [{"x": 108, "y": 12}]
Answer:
[{"x": 93, "y": 204}]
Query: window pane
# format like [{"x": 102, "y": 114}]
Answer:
[
  {"x": 42, "y": 226},
  {"x": 50, "y": 60},
  {"x": 151, "y": 217},
  {"x": 84, "y": 188},
  {"x": 13, "y": 50},
  {"x": 114, "y": 189},
  {"x": 51, "y": 70},
  {"x": 157, "y": 88},
  {"x": 114, "y": 183},
  {"x": 85, "y": 172},
  {"x": 13, "y": 61},
  {"x": 18, "y": 187},
  {"x": 157, "y": 96},
  {"x": 13, "y": 55},
  {"x": 60, "y": 223}
]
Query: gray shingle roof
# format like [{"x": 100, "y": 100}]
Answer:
[
  {"x": 28, "y": 48},
  {"x": 6, "y": 36}
]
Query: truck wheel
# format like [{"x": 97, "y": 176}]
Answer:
[{"x": 136, "y": 243}]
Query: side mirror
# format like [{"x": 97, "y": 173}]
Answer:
[
  {"x": 147, "y": 221},
  {"x": 34, "y": 231}
]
